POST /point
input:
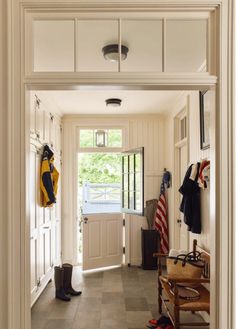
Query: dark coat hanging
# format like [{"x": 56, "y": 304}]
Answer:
[{"x": 190, "y": 205}]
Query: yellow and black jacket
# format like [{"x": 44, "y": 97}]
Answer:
[{"x": 48, "y": 178}]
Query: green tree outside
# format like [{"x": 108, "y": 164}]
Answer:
[{"x": 99, "y": 168}]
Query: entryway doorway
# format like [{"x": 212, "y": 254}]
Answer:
[
  {"x": 100, "y": 229},
  {"x": 103, "y": 232}
]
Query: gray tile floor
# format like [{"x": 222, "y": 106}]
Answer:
[{"x": 123, "y": 298}]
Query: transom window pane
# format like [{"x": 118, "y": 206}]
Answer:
[{"x": 88, "y": 138}]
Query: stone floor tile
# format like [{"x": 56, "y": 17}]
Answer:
[
  {"x": 113, "y": 307},
  {"x": 138, "y": 319},
  {"x": 90, "y": 304},
  {"x": 112, "y": 323},
  {"x": 112, "y": 298},
  {"x": 136, "y": 304},
  {"x": 84, "y": 320},
  {"x": 113, "y": 315},
  {"x": 154, "y": 310},
  {"x": 38, "y": 320},
  {"x": 92, "y": 292},
  {"x": 58, "y": 324},
  {"x": 63, "y": 311}
]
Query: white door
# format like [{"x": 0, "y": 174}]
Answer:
[
  {"x": 183, "y": 165},
  {"x": 102, "y": 240}
]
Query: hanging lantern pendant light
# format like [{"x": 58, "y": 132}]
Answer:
[{"x": 100, "y": 138}]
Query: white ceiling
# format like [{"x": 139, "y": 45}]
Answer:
[{"x": 93, "y": 101}]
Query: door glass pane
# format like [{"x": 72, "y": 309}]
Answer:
[
  {"x": 53, "y": 46},
  {"x": 131, "y": 181},
  {"x": 186, "y": 45},
  {"x": 92, "y": 36},
  {"x": 131, "y": 200},
  {"x": 144, "y": 40},
  {"x": 138, "y": 181},
  {"x": 131, "y": 164},
  {"x": 138, "y": 201},
  {"x": 138, "y": 162},
  {"x": 126, "y": 199},
  {"x": 126, "y": 178}
]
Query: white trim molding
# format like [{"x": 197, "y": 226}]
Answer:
[{"x": 17, "y": 305}]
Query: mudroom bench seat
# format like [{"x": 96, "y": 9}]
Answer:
[{"x": 168, "y": 295}]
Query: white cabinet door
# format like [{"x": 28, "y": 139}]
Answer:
[
  {"x": 57, "y": 259},
  {"x": 47, "y": 125},
  {"x": 39, "y": 208},
  {"x": 47, "y": 249},
  {"x": 53, "y": 132},
  {"x": 33, "y": 220},
  {"x": 102, "y": 240},
  {"x": 33, "y": 265}
]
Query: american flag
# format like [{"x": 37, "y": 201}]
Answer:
[{"x": 161, "y": 221}]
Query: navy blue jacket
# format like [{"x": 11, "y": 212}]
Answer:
[{"x": 190, "y": 205}]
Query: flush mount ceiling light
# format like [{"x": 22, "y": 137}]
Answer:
[
  {"x": 111, "y": 52},
  {"x": 115, "y": 102}
]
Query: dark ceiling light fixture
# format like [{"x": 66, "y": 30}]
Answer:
[
  {"x": 111, "y": 52},
  {"x": 115, "y": 102}
]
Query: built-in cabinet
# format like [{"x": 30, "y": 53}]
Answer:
[{"x": 45, "y": 223}]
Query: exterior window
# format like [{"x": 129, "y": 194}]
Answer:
[
  {"x": 133, "y": 181},
  {"x": 88, "y": 139}
]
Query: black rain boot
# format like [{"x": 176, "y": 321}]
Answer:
[
  {"x": 67, "y": 280},
  {"x": 59, "y": 277}
]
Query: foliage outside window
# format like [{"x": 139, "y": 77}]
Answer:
[
  {"x": 98, "y": 168},
  {"x": 99, "y": 176},
  {"x": 132, "y": 181},
  {"x": 87, "y": 138}
]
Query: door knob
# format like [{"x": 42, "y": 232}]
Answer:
[{"x": 85, "y": 220}]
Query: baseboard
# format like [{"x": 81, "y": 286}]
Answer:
[{"x": 136, "y": 261}]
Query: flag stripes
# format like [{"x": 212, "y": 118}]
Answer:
[{"x": 161, "y": 223}]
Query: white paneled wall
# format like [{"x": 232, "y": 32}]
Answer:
[
  {"x": 191, "y": 100},
  {"x": 147, "y": 131},
  {"x": 45, "y": 223}
]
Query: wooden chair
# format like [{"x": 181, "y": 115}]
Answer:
[{"x": 171, "y": 301}]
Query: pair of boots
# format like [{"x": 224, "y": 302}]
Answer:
[{"x": 62, "y": 277}]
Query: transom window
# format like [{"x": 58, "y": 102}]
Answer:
[{"x": 100, "y": 138}]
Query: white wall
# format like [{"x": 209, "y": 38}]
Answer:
[
  {"x": 191, "y": 100},
  {"x": 147, "y": 131}
]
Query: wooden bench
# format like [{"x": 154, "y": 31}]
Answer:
[{"x": 170, "y": 299}]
